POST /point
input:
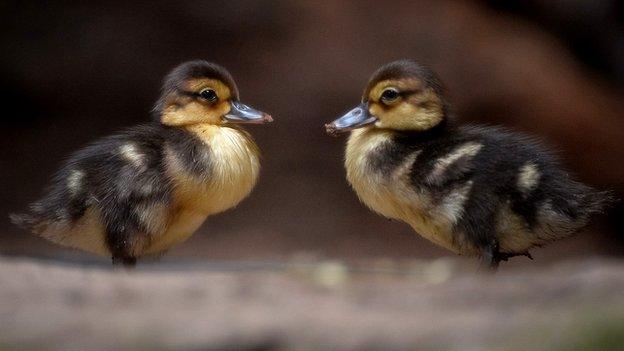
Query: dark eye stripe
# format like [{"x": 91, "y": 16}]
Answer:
[
  {"x": 409, "y": 92},
  {"x": 406, "y": 93},
  {"x": 199, "y": 95}
]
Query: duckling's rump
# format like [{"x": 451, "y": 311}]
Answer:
[{"x": 466, "y": 188}]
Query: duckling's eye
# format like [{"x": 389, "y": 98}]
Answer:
[
  {"x": 208, "y": 95},
  {"x": 390, "y": 95}
]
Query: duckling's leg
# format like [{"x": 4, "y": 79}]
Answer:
[
  {"x": 478, "y": 226},
  {"x": 506, "y": 256},
  {"x": 491, "y": 257},
  {"x": 124, "y": 236},
  {"x": 121, "y": 248}
]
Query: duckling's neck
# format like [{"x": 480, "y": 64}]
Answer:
[
  {"x": 227, "y": 144},
  {"x": 445, "y": 127},
  {"x": 361, "y": 143},
  {"x": 206, "y": 131},
  {"x": 373, "y": 152},
  {"x": 370, "y": 136}
]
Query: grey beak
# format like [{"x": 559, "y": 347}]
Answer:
[
  {"x": 356, "y": 118},
  {"x": 241, "y": 113}
]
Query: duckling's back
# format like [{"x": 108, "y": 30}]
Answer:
[
  {"x": 115, "y": 185},
  {"x": 467, "y": 187},
  {"x": 520, "y": 187}
]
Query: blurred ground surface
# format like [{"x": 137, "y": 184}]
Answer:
[
  {"x": 72, "y": 72},
  {"x": 438, "y": 305}
]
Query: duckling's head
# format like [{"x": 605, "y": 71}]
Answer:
[
  {"x": 401, "y": 95},
  {"x": 203, "y": 92}
]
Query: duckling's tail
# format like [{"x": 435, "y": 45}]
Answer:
[
  {"x": 23, "y": 220},
  {"x": 597, "y": 202},
  {"x": 34, "y": 223},
  {"x": 574, "y": 210}
]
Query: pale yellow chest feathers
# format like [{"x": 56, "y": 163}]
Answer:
[
  {"x": 386, "y": 193},
  {"x": 233, "y": 166},
  {"x": 392, "y": 194},
  {"x": 376, "y": 190}
]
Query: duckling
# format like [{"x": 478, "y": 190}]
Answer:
[
  {"x": 475, "y": 190},
  {"x": 150, "y": 187}
]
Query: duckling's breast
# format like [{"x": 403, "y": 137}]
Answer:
[
  {"x": 380, "y": 174},
  {"x": 226, "y": 169},
  {"x": 208, "y": 179},
  {"x": 374, "y": 188}
]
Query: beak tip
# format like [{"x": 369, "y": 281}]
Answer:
[
  {"x": 331, "y": 129},
  {"x": 267, "y": 118}
]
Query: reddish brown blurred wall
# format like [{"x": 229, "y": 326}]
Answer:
[{"x": 74, "y": 72}]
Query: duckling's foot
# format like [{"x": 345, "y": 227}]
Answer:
[
  {"x": 127, "y": 262},
  {"x": 505, "y": 256},
  {"x": 490, "y": 258}
]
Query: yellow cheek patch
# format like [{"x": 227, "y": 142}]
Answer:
[
  {"x": 193, "y": 111},
  {"x": 375, "y": 109},
  {"x": 408, "y": 117},
  {"x": 430, "y": 97},
  {"x": 184, "y": 110},
  {"x": 420, "y": 112}
]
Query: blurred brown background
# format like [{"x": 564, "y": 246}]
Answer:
[{"x": 75, "y": 72}]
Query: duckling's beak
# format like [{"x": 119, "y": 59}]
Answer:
[
  {"x": 356, "y": 118},
  {"x": 241, "y": 113}
]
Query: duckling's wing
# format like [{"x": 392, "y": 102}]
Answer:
[
  {"x": 133, "y": 190},
  {"x": 534, "y": 201},
  {"x": 118, "y": 181}
]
